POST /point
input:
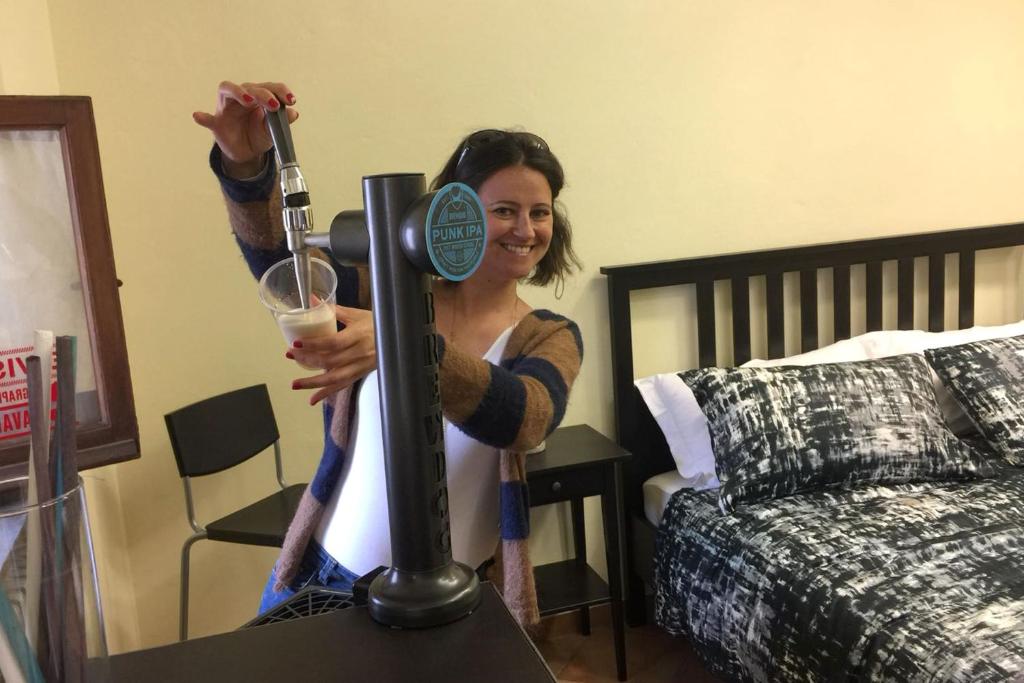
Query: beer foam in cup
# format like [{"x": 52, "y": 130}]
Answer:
[{"x": 307, "y": 323}]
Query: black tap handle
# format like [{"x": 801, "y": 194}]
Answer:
[{"x": 281, "y": 133}]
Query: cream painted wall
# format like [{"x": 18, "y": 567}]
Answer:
[
  {"x": 28, "y": 67},
  {"x": 686, "y": 128}
]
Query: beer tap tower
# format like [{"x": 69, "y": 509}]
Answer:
[{"x": 407, "y": 236}]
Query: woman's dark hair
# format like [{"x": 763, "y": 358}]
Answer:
[{"x": 484, "y": 153}]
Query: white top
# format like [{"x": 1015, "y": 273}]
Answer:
[{"x": 354, "y": 528}]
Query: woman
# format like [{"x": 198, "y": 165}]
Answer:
[{"x": 505, "y": 369}]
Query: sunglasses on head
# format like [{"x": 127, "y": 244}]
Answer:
[{"x": 483, "y": 138}]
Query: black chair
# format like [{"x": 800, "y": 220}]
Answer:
[{"x": 216, "y": 434}]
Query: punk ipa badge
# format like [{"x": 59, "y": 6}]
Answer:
[{"x": 456, "y": 228}]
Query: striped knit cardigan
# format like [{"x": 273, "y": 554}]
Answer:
[{"x": 512, "y": 406}]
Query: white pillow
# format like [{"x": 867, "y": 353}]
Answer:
[
  {"x": 842, "y": 351},
  {"x": 686, "y": 429}
]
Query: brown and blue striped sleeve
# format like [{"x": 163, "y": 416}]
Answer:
[{"x": 517, "y": 404}]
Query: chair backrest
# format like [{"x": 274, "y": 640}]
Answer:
[{"x": 222, "y": 431}]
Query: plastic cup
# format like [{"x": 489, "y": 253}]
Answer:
[{"x": 279, "y": 292}]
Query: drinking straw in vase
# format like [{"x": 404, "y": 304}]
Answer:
[
  {"x": 17, "y": 658},
  {"x": 40, "y": 426},
  {"x": 65, "y": 477},
  {"x": 42, "y": 347}
]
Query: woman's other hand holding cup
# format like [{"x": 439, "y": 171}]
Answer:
[{"x": 345, "y": 357}]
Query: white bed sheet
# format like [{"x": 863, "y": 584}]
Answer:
[{"x": 657, "y": 492}]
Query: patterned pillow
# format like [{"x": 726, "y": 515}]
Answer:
[
  {"x": 783, "y": 430},
  {"x": 987, "y": 378}
]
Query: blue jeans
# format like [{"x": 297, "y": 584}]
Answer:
[{"x": 318, "y": 568}]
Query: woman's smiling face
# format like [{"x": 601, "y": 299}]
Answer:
[{"x": 519, "y": 222}]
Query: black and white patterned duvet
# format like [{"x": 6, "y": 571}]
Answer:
[{"x": 916, "y": 582}]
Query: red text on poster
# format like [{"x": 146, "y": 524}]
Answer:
[{"x": 14, "y": 420}]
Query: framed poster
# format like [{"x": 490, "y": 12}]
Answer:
[{"x": 57, "y": 273}]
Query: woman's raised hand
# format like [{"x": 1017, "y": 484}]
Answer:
[
  {"x": 345, "y": 357},
  {"x": 238, "y": 123}
]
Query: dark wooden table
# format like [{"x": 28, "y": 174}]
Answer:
[
  {"x": 580, "y": 462},
  {"x": 347, "y": 645}
]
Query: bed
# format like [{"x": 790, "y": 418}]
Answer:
[{"x": 886, "y": 580}]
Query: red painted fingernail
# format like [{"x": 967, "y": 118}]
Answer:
[
  {"x": 297, "y": 344},
  {"x": 295, "y": 384},
  {"x": 288, "y": 355},
  {"x": 291, "y": 98},
  {"x": 272, "y": 103},
  {"x": 249, "y": 98}
]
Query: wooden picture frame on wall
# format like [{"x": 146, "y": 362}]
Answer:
[{"x": 57, "y": 272}]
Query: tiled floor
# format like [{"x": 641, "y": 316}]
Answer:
[{"x": 652, "y": 656}]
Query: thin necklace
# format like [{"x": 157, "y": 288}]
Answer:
[{"x": 452, "y": 328}]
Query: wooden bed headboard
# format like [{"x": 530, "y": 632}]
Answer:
[{"x": 636, "y": 429}]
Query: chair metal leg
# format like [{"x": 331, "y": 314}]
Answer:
[{"x": 183, "y": 610}]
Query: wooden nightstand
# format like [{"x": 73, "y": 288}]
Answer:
[{"x": 580, "y": 462}]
